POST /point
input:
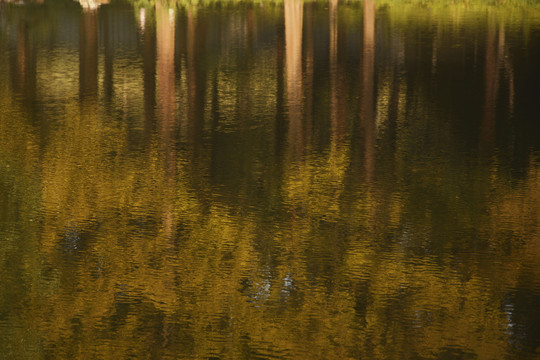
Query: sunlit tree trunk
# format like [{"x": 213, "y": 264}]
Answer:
[
  {"x": 293, "y": 49},
  {"x": 165, "y": 68},
  {"x": 165, "y": 27},
  {"x": 88, "y": 56},
  {"x": 293, "y": 11},
  {"x": 367, "y": 110}
]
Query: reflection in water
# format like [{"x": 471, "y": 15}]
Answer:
[
  {"x": 494, "y": 58},
  {"x": 309, "y": 71},
  {"x": 367, "y": 111},
  {"x": 295, "y": 181},
  {"x": 196, "y": 78},
  {"x": 149, "y": 73},
  {"x": 293, "y": 47},
  {"x": 88, "y": 56},
  {"x": 108, "y": 50},
  {"x": 337, "y": 104},
  {"x": 24, "y": 63},
  {"x": 165, "y": 20},
  {"x": 91, "y": 5}
]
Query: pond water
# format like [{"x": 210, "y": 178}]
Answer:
[{"x": 270, "y": 180}]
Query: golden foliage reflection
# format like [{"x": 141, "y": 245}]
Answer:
[{"x": 178, "y": 219}]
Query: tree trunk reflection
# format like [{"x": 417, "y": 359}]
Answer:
[
  {"x": 165, "y": 18},
  {"x": 88, "y": 56},
  {"x": 337, "y": 104},
  {"x": 24, "y": 74},
  {"x": 495, "y": 49},
  {"x": 367, "y": 111},
  {"x": 149, "y": 74},
  {"x": 293, "y": 49}
]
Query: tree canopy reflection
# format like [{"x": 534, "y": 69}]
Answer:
[{"x": 325, "y": 198}]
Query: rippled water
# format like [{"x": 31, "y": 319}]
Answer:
[{"x": 245, "y": 180}]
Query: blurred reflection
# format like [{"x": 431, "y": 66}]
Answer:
[
  {"x": 24, "y": 62},
  {"x": 492, "y": 84},
  {"x": 495, "y": 51},
  {"x": 367, "y": 99},
  {"x": 108, "y": 50},
  {"x": 309, "y": 71},
  {"x": 280, "y": 121},
  {"x": 88, "y": 56},
  {"x": 196, "y": 78},
  {"x": 293, "y": 48},
  {"x": 337, "y": 104},
  {"x": 201, "y": 240},
  {"x": 166, "y": 94},
  {"x": 149, "y": 74},
  {"x": 165, "y": 29},
  {"x": 91, "y": 5}
]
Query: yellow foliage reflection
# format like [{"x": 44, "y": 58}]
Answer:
[{"x": 176, "y": 217}]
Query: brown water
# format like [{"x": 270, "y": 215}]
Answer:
[{"x": 343, "y": 180}]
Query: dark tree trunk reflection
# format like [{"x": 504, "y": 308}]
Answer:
[
  {"x": 149, "y": 74},
  {"x": 24, "y": 63},
  {"x": 367, "y": 100},
  {"x": 88, "y": 56},
  {"x": 495, "y": 49}
]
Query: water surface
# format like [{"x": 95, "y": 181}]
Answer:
[{"x": 327, "y": 180}]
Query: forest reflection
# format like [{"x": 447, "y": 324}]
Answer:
[{"x": 278, "y": 180}]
